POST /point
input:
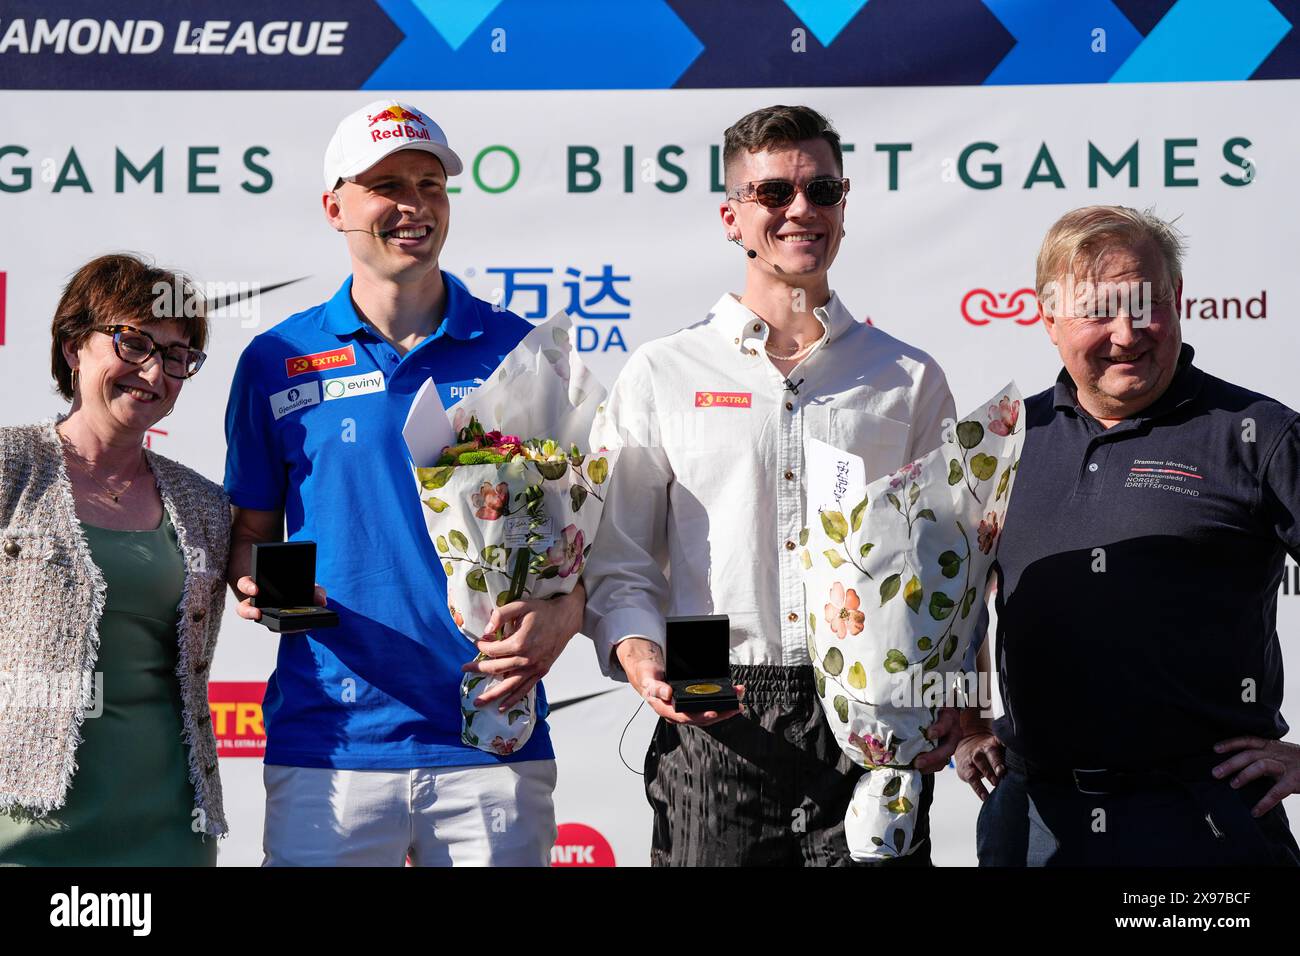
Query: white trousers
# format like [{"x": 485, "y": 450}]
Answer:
[{"x": 495, "y": 815}]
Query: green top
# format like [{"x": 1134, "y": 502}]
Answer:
[{"x": 130, "y": 802}]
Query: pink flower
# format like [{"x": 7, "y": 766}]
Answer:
[
  {"x": 1003, "y": 416},
  {"x": 906, "y": 473},
  {"x": 490, "y": 501},
  {"x": 842, "y": 614},
  {"x": 566, "y": 554},
  {"x": 503, "y": 747},
  {"x": 988, "y": 532},
  {"x": 873, "y": 749}
]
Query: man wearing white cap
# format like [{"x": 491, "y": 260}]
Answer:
[{"x": 364, "y": 759}]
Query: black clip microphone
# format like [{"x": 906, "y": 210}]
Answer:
[
  {"x": 793, "y": 387},
  {"x": 754, "y": 255}
]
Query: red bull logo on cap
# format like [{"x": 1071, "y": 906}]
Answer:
[{"x": 395, "y": 114}]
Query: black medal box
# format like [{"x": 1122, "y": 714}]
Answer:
[
  {"x": 699, "y": 663},
  {"x": 285, "y": 575}
]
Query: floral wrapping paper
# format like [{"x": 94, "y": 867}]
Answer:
[
  {"x": 894, "y": 581},
  {"x": 483, "y": 518}
]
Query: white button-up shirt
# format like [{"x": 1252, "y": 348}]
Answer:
[{"x": 706, "y": 502}]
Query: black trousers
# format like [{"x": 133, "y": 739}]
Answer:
[
  {"x": 767, "y": 788},
  {"x": 1025, "y": 822}
]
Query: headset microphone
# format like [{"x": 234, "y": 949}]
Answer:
[{"x": 754, "y": 255}]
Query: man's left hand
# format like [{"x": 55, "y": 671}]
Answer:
[
  {"x": 1256, "y": 758},
  {"x": 536, "y": 632},
  {"x": 946, "y": 733}
]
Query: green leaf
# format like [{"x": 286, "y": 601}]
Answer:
[
  {"x": 476, "y": 580},
  {"x": 967, "y": 602},
  {"x": 856, "y": 517},
  {"x": 458, "y": 540},
  {"x": 865, "y": 550},
  {"x": 950, "y": 564},
  {"x": 841, "y": 704},
  {"x": 931, "y": 662},
  {"x": 889, "y": 587},
  {"x": 893, "y": 500},
  {"x": 923, "y": 644},
  {"x": 1002, "y": 484},
  {"x": 926, "y": 513},
  {"x": 895, "y": 662},
  {"x": 877, "y": 841},
  {"x": 577, "y": 495},
  {"x": 448, "y": 568},
  {"x": 834, "y": 662},
  {"x": 913, "y": 493},
  {"x": 503, "y": 598},
  {"x": 431, "y": 479},
  {"x": 892, "y": 788},
  {"x": 834, "y": 557},
  {"x": 803, "y": 537},
  {"x": 821, "y": 683},
  {"x": 436, "y": 505},
  {"x": 913, "y": 594},
  {"x": 900, "y": 838},
  {"x": 560, "y": 337},
  {"x": 808, "y": 638},
  {"x": 812, "y": 625},
  {"x": 835, "y": 526},
  {"x": 442, "y": 545},
  {"x": 982, "y": 466},
  {"x": 474, "y": 682},
  {"x": 598, "y": 470},
  {"x": 489, "y": 553},
  {"x": 857, "y": 676},
  {"x": 901, "y": 805},
  {"x": 970, "y": 434},
  {"x": 513, "y": 716},
  {"x": 955, "y": 474},
  {"x": 549, "y": 573},
  {"x": 940, "y": 605},
  {"x": 807, "y": 558},
  {"x": 949, "y": 647},
  {"x": 1016, "y": 465}
]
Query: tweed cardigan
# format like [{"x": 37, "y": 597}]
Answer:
[{"x": 51, "y": 600}]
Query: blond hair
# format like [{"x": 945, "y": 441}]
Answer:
[{"x": 1079, "y": 238}]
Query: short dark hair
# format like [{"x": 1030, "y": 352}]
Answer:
[
  {"x": 121, "y": 288},
  {"x": 775, "y": 126}
]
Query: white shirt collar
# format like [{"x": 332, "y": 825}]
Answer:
[{"x": 745, "y": 331}]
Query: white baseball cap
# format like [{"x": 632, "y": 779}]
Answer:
[{"x": 377, "y": 129}]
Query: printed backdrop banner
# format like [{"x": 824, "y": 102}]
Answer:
[{"x": 605, "y": 203}]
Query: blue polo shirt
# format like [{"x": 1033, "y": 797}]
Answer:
[
  {"x": 1138, "y": 575},
  {"x": 314, "y": 427}
]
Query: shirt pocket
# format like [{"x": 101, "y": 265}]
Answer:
[{"x": 880, "y": 442}]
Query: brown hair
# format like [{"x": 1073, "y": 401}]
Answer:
[
  {"x": 122, "y": 288},
  {"x": 776, "y": 126}
]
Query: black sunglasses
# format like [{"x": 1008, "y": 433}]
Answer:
[
  {"x": 779, "y": 193},
  {"x": 135, "y": 346}
]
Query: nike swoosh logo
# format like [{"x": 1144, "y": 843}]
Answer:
[
  {"x": 214, "y": 305},
  {"x": 553, "y": 707}
]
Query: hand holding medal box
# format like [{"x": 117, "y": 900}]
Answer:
[{"x": 511, "y": 517}]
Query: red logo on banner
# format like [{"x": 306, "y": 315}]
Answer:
[
  {"x": 237, "y": 717},
  {"x": 980, "y": 306},
  {"x": 723, "y": 399},
  {"x": 320, "y": 361},
  {"x": 577, "y": 844}
]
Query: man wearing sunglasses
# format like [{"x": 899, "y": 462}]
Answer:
[
  {"x": 364, "y": 759},
  {"x": 707, "y": 503}
]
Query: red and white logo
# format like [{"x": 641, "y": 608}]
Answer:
[
  {"x": 320, "y": 361},
  {"x": 577, "y": 844},
  {"x": 237, "y": 717},
  {"x": 724, "y": 399},
  {"x": 980, "y": 306}
]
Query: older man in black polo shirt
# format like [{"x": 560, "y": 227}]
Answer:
[{"x": 1138, "y": 575}]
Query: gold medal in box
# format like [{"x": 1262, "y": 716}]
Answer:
[
  {"x": 285, "y": 575},
  {"x": 698, "y": 664}
]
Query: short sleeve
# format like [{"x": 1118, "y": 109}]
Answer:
[{"x": 256, "y": 475}]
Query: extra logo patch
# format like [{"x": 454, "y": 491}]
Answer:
[
  {"x": 349, "y": 386},
  {"x": 320, "y": 361},
  {"x": 724, "y": 399},
  {"x": 293, "y": 399}
]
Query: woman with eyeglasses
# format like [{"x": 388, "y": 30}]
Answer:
[{"x": 112, "y": 567}]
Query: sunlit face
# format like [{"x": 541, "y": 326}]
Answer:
[
  {"x": 118, "y": 395},
  {"x": 401, "y": 210},
  {"x": 1120, "y": 362},
  {"x": 800, "y": 241}
]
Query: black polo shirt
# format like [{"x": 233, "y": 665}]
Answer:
[{"x": 1138, "y": 575}]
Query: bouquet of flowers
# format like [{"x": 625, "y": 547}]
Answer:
[
  {"x": 895, "y": 574},
  {"x": 509, "y": 517}
]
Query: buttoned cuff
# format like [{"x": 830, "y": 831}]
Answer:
[{"x": 617, "y": 626}]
